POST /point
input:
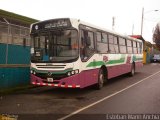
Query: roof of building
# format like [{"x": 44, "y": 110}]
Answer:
[{"x": 14, "y": 18}]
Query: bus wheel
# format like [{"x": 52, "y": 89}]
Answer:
[
  {"x": 132, "y": 70},
  {"x": 100, "y": 83}
]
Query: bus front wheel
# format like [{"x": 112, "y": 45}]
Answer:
[{"x": 100, "y": 82}]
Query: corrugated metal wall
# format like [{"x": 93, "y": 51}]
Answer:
[
  {"x": 11, "y": 77},
  {"x": 14, "y": 55}
]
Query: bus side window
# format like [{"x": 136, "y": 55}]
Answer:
[
  {"x": 102, "y": 42},
  {"x": 113, "y": 44},
  {"x": 122, "y": 45},
  {"x": 116, "y": 46},
  {"x": 129, "y": 46},
  {"x": 135, "y": 47},
  {"x": 111, "y": 47}
]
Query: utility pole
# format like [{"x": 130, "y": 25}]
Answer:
[
  {"x": 113, "y": 23},
  {"x": 132, "y": 29},
  {"x": 142, "y": 21}
]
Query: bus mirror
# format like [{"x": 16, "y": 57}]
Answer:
[
  {"x": 24, "y": 42},
  {"x": 88, "y": 41}
]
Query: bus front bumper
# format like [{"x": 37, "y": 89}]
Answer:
[{"x": 62, "y": 83}]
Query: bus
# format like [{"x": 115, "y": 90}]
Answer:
[{"x": 70, "y": 53}]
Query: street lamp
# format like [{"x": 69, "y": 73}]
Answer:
[{"x": 143, "y": 18}]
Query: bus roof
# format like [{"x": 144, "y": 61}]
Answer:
[{"x": 76, "y": 22}]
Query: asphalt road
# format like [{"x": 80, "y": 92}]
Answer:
[{"x": 122, "y": 95}]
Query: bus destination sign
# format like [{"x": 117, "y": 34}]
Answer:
[
  {"x": 51, "y": 24},
  {"x": 60, "y": 23}
]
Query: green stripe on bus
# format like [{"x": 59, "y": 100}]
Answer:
[
  {"x": 116, "y": 61},
  {"x": 136, "y": 58},
  {"x": 139, "y": 58},
  {"x": 96, "y": 63},
  {"x": 100, "y": 63}
]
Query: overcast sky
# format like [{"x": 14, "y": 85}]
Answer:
[{"x": 127, "y": 13}]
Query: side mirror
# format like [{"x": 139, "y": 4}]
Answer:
[{"x": 88, "y": 41}]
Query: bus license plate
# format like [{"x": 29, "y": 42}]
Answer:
[{"x": 49, "y": 79}]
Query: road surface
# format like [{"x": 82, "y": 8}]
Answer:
[{"x": 139, "y": 94}]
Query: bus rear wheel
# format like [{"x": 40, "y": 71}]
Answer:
[{"x": 101, "y": 79}]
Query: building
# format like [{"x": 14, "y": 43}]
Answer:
[{"x": 14, "y": 49}]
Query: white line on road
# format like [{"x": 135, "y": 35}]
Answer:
[{"x": 105, "y": 98}]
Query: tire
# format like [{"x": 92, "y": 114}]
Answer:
[
  {"x": 132, "y": 72},
  {"x": 101, "y": 79}
]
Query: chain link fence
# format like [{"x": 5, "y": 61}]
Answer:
[
  {"x": 14, "y": 41},
  {"x": 14, "y": 55}
]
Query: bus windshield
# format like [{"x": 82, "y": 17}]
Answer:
[{"x": 54, "y": 46}]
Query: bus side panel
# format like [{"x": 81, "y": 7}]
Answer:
[
  {"x": 89, "y": 77},
  {"x": 114, "y": 71}
]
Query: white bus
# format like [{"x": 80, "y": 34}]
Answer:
[{"x": 70, "y": 53}]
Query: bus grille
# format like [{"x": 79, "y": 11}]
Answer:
[
  {"x": 51, "y": 66},
  {"x": 54, "y": 76}
]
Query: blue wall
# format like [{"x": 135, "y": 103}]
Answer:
[
  {"x": 11, "y": 77},
  {"x": 18, "y": 54},
  {"x": 17, "y": 71},
  {"x": 2, "y": 53}
]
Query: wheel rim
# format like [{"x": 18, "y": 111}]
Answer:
[
  {"x": 101, "y": 80},
  {"x": 133, "y": 71}
]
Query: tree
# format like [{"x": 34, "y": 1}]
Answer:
[{"x": 156, "y": 34}]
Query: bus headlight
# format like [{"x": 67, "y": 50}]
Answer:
[
  {"x": 69, "y": 73},
  {"x": 73, "y": 72},
  {"x": 31, "y": 71},
  {"x": 34, "y": 72},
  {"x": 76, "y": 71}
]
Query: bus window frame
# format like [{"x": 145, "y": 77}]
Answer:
[
  {"x": 113, "y": 43},
  {"x": 129, "y": 46},
  {"x": 122, "y": 45},
  {"x": 102, "y": 42}
]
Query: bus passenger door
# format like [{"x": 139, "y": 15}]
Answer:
[
  {"x": 87, "y": 50},
  {"x": 87, "y": 47}
]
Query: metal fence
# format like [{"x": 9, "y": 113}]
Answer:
[
  {"x": 12, "y": 37},
  {"x": 13, "y": 34},
  {"x": 14, "y": 55}
]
